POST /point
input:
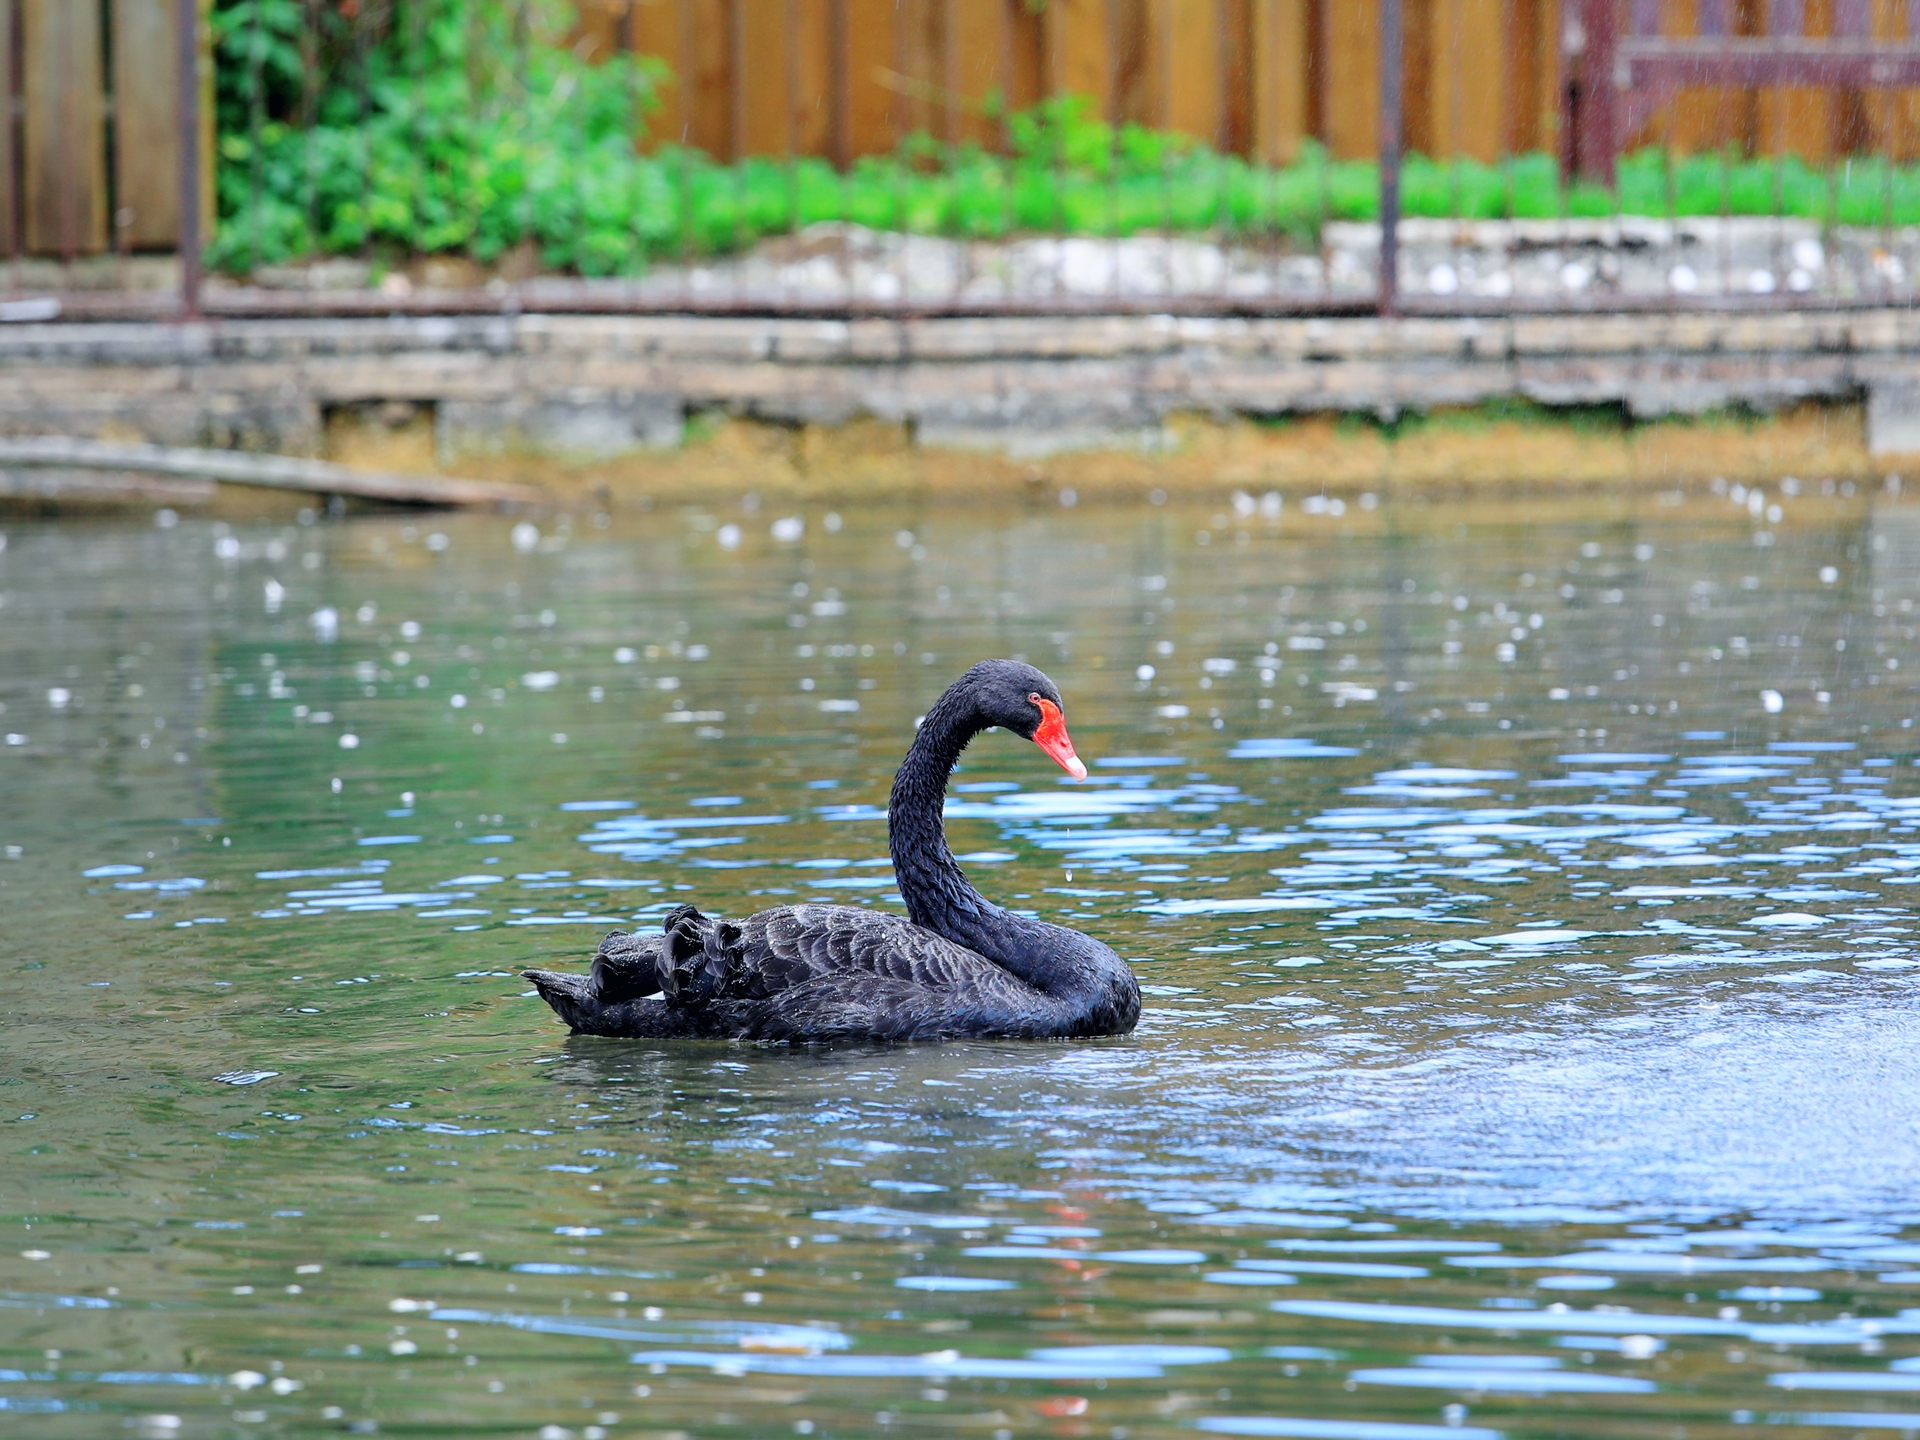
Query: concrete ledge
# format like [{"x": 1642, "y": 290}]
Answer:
[{"x": 586, "y": 386}]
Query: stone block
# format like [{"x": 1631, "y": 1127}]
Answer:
[
  {"x": 576, "y": 424},
  {"x": 1893, "y": 417}
]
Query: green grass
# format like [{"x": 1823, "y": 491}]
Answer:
[{"x": 454, "y": 133}]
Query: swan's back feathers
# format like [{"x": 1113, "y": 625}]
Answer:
[{"x": 800, "y": 972}]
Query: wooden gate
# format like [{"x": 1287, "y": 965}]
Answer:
[
  {"x": 90, "y": 128},
  {"x": 1789, "y": 73}
]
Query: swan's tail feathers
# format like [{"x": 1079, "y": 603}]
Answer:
[
  {"x": 627, "y": 967},
  {"x": 571, "y": 996},
  {"x": 697, "y": 956}
]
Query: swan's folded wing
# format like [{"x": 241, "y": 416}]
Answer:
[{"x": 799, "y": 946}]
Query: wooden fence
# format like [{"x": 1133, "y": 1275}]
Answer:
[
  {"x": 89, "y": 131},
  {"x": 844, "y": 78},
  {"x": 1482, "y": 78},
  {"x": 89, "y": 127}
]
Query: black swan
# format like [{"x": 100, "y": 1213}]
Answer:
[{"x": 956, "y": 966}]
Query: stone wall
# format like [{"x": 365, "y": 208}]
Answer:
[{"x": 583, "y": 387}]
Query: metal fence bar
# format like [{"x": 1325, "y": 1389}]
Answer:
[
  {"x": 1390, "y": 145},
  {"x": 187, "y": 72}
]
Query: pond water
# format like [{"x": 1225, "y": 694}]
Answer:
[{"x": 1521, "y": 890}]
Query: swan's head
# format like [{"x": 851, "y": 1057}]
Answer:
[{"x": 1017, "y": 697}]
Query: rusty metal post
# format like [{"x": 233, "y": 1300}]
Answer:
[
  {"x": 1390, "y": 145},
  {"x": 1599, "y": 128},
  {"x": 187, "y": 79}
]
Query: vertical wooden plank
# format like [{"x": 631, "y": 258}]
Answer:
[
  {"x": 596, "y": 30},
  {"x": 1887, "y": 109},
  {"x": 1135, "y": 91},
  {"x": 810, "y": 76},
  {"x": 1350, "y": 80},
  {"x": 1520, "y": 100},
  {"x": 65, "y": 130},
  {"x": 1907, "y": 111},
  {"x": 1023, "y": 79},
  {"x": 915, "y": 81},
  {"x": 653, "y": 29},
  {"x": 706, "y": 53},
  {"x": 977, "y": 38},
  {"x": 1797, "y": 120},
  {"x": 757, "y": 86},
  {"x": 9, "y": 214},
  {"x": 866, "y": 109},
  {"x": 1183, "y": 45},
  {"x": 1236, "y": 76},
  {"x": 146, "y": 131},
  {"x": 1537, "y": 125},
  {"x": 1417, "y": 21},
  {"x": 1469, "y": 78},
  {"x": 1079, "y": 52},
  {"x": 1279, "y": 112}
]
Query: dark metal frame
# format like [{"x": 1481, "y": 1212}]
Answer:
[{"x": 1626, "y": 73}]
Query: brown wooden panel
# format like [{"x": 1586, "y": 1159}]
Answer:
[
  {"x": 1278, "y": 116},
  {"x": 1470, "y": 77},
  {"x": 917, "y": 72},
  {"x": 1236, "y": 76},
  {"x": 1532, "y": 106},
  {"x": 146, "y": 128},
  {"x": 65, "y": 129},
  {"x": 810, "y": 76},
  {"x": 598, "y": 27},
  {"x": 1416, "y": 96},
  {"x": 977, "y": 39},
  {"x": 1888, "y": 111},
  {"x": 1023, "y": 77},
  {"x": 9, "y": 216},
  {"x": 1079, "y": 51},
  {"x": 1135, "y": 91},
  {"x": 866, "y": 80},
  {"x": 1793, "y": 120},
  {"x": 706, "y": 55},
  {"x": 1350, "y": 79},
  {"x": 1183, "y": 43},
  {"x": 762, "y": 102},
  {"x": 653, "y": 29}
]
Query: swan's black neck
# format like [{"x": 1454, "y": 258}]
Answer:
[
  {"x": 1089, "y": 986},
  {"x": 938, "y": 894}
]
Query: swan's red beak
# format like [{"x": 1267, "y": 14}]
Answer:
[{"x": 1052, "y": 737}]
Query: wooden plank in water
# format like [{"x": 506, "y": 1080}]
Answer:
[
  {"x": 65, "y": 130},
  {"x": 1278, "y": 110},
  {"x": 759, "y": 82},
  {"x": 274, "y": 472},
  {"x": 1079, "y": 51}
]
